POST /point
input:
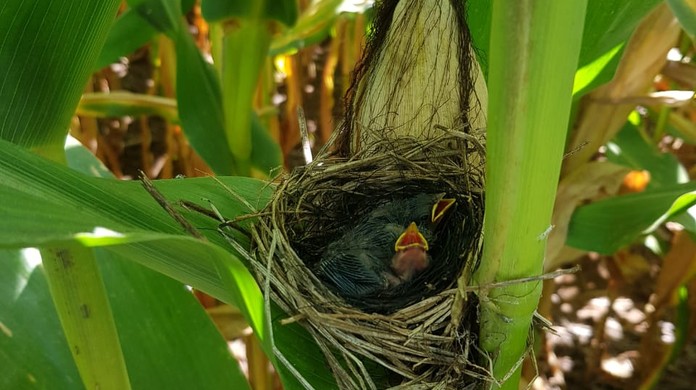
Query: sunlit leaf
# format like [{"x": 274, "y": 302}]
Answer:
[
  {"x": 608, "y": 23},
  {"x": 597, "y": 72},
  {"x": 608, "y": 225},
  {"x": 120, "y": 104},
  {"x": 312, "y": 26},
  {"x": 45, "y": 203},
  {"x": 155, "y": 317}
]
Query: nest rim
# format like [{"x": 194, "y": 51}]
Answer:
[{"x": 427, "y": 341}]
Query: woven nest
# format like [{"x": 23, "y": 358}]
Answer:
[{"x": 423, "y": 332}]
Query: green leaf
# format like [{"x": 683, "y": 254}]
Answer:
[
  {"x": 120, "y": 104},
  {"x": 113, "y": 212},
  {"x": 478, "y": 16},
  {"x": 597, "y": 72},
  {"x": 629, "y": 149},
  {"x": 131, "y": 216},
  {"x": 131, "y": 31},
  {"x": 687, "y": 219},
  {"x": 284, "y": 11},
  {"x": 82, "y": 160},
  {"x": 199, "y": 96},
  {"x": 156, "y": 318},
  {"x": 44, "y": 203},
  {"x": 200, "y": 106},
  {"x": 128, "y": 32},
  {"x": 198, "y": 90},
  {"x": 610, "y": 224},
  {"x": 685, "y": 11},
  {"x": 245, "y": 46},
  {"x": 313, "y": 25},
  {"x": 35, "y": 353},
  {"x": 84, "y": 311},
  {"x": 173, "y": 316},
  {"x": 48, "y": 51},
  {"x": 266, "y": 155},
  {"x": 608, "y": 23},
  {"x": 163, "y": 15},
  {"x": 164, "y": 331},
  {"x": 300, "y": 349}
]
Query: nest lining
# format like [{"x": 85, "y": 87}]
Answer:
[{"x": 423, "y": 334}]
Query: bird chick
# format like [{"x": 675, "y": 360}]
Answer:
[{"x": 385, "y": 248}]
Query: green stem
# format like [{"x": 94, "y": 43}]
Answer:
[
  {"x": 533, "y": 57},
  {"x": 85, "y": 314}
]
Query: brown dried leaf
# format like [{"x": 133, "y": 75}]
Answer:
[{"x": 678, "y": 268}]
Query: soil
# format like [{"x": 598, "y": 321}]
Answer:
[{"x": 603, "y": 320}]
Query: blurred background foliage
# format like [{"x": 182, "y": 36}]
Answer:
[
  {"x": 267, "y": 63},
  {"x": 213, "y": 87}
]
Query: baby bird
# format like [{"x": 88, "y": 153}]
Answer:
[{"x": 385, "y": 248}]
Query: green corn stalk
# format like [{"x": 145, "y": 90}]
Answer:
[{"x": 534, "y": 50}]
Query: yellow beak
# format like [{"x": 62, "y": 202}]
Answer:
[
  {"x": 410, "y": 238},
  {"x": 440, "y": 208}
]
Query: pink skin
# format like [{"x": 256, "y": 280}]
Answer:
[
  {"x": 411, "y": 256},
  {"x": 409, "y": 261}
]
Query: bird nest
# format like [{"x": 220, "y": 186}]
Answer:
[{"x": 423, "y": 331}]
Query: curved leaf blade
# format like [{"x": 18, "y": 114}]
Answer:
[
  {"x": 128, "y": 216},
  {"x": 43, "y": 202},
  {"x": 610, "y": 224}
]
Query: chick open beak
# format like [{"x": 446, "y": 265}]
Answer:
[
  {"x": 440, "y": 208},
  {"x": 410, "y": 238},
  {"x": 411, "y": 254}
]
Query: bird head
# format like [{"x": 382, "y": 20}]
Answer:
[
  {"x": 411, "y": 253},
  {"x": 411, "y": 247}
]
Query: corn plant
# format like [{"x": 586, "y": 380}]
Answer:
[{"x": 94, "y": 274}]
